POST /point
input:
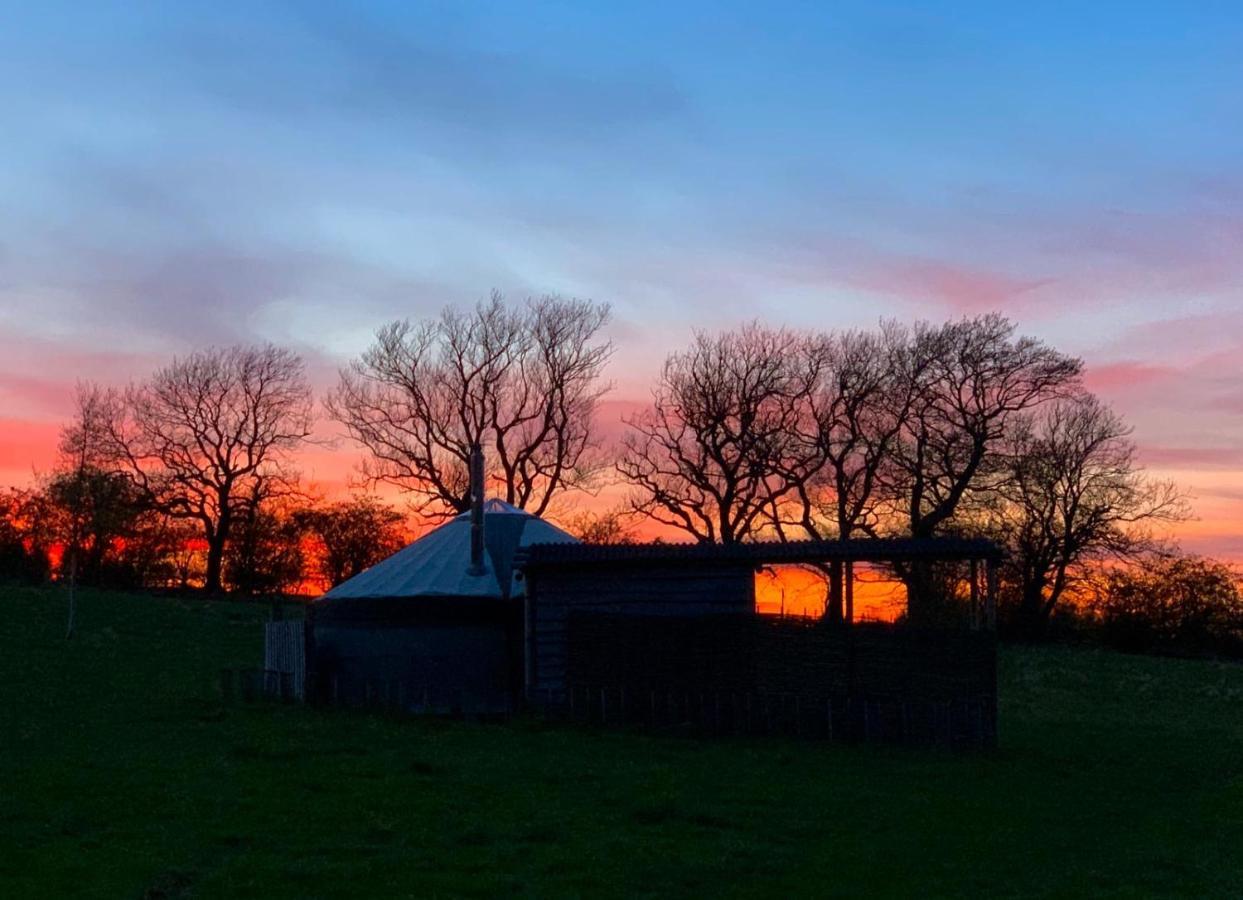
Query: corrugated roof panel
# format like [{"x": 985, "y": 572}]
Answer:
[
  {"x": 437, "y": 564},
  {"x": 862, "y": 549}
]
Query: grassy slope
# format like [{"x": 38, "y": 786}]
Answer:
[{"x": 121, "y": 775}]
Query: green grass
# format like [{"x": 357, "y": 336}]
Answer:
[{"x": 121, "y": 775}]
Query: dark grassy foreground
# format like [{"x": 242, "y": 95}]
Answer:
[{"x": 121, "y": 776}]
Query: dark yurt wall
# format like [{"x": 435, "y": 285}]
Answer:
[{"x": 429, "y": 629}]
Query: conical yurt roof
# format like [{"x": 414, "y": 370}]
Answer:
[{"x": 438, "y": 564}]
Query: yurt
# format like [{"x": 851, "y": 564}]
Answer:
[{"x": 437, "y": 626}]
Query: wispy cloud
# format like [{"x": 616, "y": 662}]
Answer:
[{"x": 302, "y": 173}]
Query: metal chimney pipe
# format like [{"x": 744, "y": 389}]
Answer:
[{"x": 476, "y": 510}]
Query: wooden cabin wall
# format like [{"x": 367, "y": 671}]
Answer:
[
  {"x": 663, "y": 589},
  {"x": 439, "y": 668},
  {"x": 765, "y": 674}
]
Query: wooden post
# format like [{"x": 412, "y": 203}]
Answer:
[
  {"x": 975, "y": 594},
  {"x": 528, "y": 637},
  {"x": 990, "y": 596},
  {"x": 310, "y": 689},
  {"x": 850, "y": 591},
  {"x": 834, "y": 611}
]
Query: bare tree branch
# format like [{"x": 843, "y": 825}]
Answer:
[
  {"x": 524, "y": 382},
  {"x": 721, "y": 444},
  {"x": 207, "y": 431},
  {"x": 1074, "y": 495}
]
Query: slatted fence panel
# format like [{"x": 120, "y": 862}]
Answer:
[{"x": 284, "y": 650}]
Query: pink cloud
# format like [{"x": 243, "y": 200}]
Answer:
[
  {"x": 37, "y": 375},
  {"x": 1224, "y": 546},
  {"x": 25, "y": 447},
  {"x": 1193, "y": 457},
  {"x": 611, "y": 416},
  {"x": 1231, "y": 403},
  {"x": 1121, "y": 375},
  {"x": 1181, "y": 338},
  {"x": 962, "y": 289},
  {"x": 35, "y": 394}
]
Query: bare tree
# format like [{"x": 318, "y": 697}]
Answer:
[
  {"x": 205, "y": 431},
  {"x": 1074, "y": 495},
  {"x": 977, "y": 379},
  {"x": 83, "y": 490},
  {"x": 612, "y": 526},
  {"x": 720, "y": 445},
  {"x": 522, "y": 381},
  {"x": 863, "y": 388}
]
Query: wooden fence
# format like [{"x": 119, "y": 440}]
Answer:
[
  {"x": 763, "y": 675},
  {"x": 723, "y": 674},
  {"x": 284, "y": 652}
]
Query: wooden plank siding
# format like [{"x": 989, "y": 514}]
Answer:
[
  {"x": 664, "y": 589},
  {"x": 284, "y": 651},
  {"x": 763, "y": 674}
]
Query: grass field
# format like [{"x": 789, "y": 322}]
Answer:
[{"x": 121, "y": 775}]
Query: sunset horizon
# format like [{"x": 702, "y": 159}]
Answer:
[
  {"x": 577, "y": 449},
  {"x": 358, "y": 171}
]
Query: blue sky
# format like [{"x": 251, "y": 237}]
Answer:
[{"x": 181, "y": 174}]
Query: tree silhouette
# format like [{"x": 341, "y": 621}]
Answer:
[
  {"x": 864, "y": 385},
  {"x": 979, "y": 380},
  {"x": 90, "y": 498},
  {"x": 204, "y": 431},
  {"x": 1074, "y": 494},
  {"x": 522, "y": 381},
  {"x": 355, "y": 534},
  {"x": 720, "y": 443}
]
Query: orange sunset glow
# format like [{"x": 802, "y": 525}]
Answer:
[
  {"x": 797, "y": 591},
  {"x": 593, "y": 449},
  {"x": 659, "y": 186}
]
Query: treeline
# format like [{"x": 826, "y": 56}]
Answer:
[
  {"x": 94, "y": 529},
  {"x": 186, "y": 479},
  {"x": 760, "y": 433}
]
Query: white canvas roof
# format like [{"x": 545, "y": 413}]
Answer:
[{"x": 437, "y": 564}]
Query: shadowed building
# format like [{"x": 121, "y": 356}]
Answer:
[
  {"x": 668, "y": 634},
  {"x": 497, "y": 610},
  {"x": 436, "y": 626}
]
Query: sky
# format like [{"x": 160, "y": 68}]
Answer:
[{"x": 174, "y": 176}]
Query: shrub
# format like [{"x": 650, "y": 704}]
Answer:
[{"x": 1179, "y": 604}]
